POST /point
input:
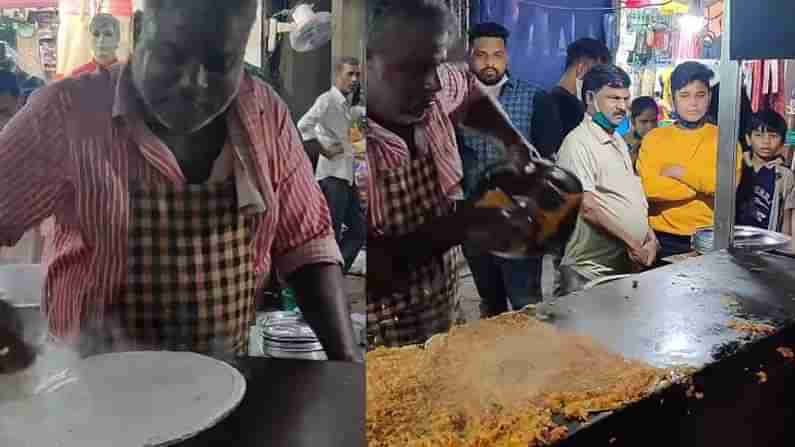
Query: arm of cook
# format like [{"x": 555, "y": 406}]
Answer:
[
  {"x": 651, "y": 160},
  {"x": 303, "y": 234},
  {"x": 304, "y": 248},
  {"x": 35, "y": 165},
  {"x": 466, "y": 102},
  {"x": 577, "y": 158}
]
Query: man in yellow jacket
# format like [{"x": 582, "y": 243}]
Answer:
[{"x": 678, "y": 164}]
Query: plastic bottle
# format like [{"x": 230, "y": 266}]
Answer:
[{"x": 288, "y": 299}]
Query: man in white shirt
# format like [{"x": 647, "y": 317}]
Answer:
[
  {"x": 327, "y": 125},
  {"x": 612, "y": 235}
]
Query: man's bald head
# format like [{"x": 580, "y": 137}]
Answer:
[
  {"x": 406, "y": 42},
  {"x": 200, "y": 15},
  {"x": 386, "y": 17},
  {"x": 188, "y": 60}
]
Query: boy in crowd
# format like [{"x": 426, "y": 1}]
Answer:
[
  {"x": 766, "y": 196},
  {"x": 678, "y": 164},
  {"x": 643, "y": 115}
]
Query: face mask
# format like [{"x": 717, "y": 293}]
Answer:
[
  {"x": 601, "y": 119},
  {"x": 692, "y": 125},
  {"x": 579, "y": 88}
]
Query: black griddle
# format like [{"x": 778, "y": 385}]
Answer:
[
  {"x": 678, "y": 316},
  {"x": 294, "y": 403}
]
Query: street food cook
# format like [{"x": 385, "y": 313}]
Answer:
[
  {"x": 414, "y": 174},
  {"x": 176, "y": 183}
]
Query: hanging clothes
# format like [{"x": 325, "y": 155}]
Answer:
[
  {"x": 767, "y": 81},
  {"x": 686, "y": 45}
]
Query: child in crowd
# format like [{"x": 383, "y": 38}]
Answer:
[
  {"x": 766, "y": 196},
  {"x": 643, "y": 114}
]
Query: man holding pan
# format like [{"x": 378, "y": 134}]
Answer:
[
  {"x": 414, "y": 175},
  {"x": 176, "y": 182}
]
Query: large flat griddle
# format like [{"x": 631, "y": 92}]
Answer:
[{"x": 680, "y": 316}]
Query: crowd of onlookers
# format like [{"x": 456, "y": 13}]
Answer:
[{"x": 646, "y": 192}]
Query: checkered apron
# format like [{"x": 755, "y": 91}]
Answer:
[
  {"x": 412, "y": 196},
  {"x": 191, "y": 279}
]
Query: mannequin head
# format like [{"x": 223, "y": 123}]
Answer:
[{"x": 105, "y": 33}]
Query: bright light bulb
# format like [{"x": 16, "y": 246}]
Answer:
[{"x": 691, "y": 24}]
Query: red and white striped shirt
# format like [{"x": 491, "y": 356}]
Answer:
[
  {"x": 72, "y": 153},
  {"x": 386, "y": 151}
]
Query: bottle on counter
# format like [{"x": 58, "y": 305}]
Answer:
[{"x": 288, "y": 299}]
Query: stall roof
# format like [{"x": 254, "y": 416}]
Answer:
[{"x": 13, "y": 4}]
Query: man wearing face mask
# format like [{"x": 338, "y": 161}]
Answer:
[
  {"x": 414, "y": 101},
  {"x": 183, "y": 183},
  {"x": 497, "y": 279},
  {"x": 678, "y": 164},
  {"x": 561, "y": 110},
  {"x": 612, "y": 235},
  {"x": 105, "y": 32},
  {"x": 327, "y": 125}
]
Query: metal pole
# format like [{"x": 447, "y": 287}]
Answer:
[{"x": 728, "y": 122}]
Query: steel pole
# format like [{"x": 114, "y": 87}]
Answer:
[{"x": 728, "y": 123}]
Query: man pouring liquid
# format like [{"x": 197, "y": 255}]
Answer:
[
  {"x": 176, "y": 181},
  {"x": 414, "y": 175}
]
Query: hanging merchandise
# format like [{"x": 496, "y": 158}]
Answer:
[
  {"x": 675, "y": 7},
  {"x": 765, "y": 82},
  {"x": 612, "y": 38},
  {"x": 790, "y": 112},
  {"x": 29, "y": 51}
]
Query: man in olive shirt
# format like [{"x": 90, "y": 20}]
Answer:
[{"x": 612, "y": 235}]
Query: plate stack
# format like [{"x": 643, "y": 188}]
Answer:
[{"x": 286, "y": 335}]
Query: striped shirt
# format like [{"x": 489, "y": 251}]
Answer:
[
  {"x": 75, "y": 149},
  {"x": 386, "y": 151}
]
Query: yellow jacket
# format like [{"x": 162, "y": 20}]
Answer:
[{"x": 680, "y": 207}]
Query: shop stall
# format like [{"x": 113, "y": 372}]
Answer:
[{"x": 29, "y": 29}]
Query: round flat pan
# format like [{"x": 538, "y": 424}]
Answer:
[{"x": 133, "y": 399}]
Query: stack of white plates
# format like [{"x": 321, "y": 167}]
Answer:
[
  {"x": 748, "y": 239},
  {"x": 286, "y": 335}
]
